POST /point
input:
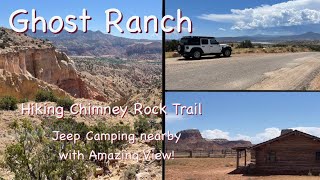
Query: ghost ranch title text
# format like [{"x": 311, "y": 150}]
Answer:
[{"x": 20, "y": 22}]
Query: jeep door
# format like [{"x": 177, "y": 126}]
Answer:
[
  {"x": 205, "y": 46},
  {"x": 214, "y": 46}
]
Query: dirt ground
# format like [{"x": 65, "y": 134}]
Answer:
[{"x": 212, "y": 169}]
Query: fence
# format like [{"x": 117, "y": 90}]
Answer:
[{"x": 225, "y": 153}]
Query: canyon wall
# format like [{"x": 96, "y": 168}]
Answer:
[{"x": 25, "y": 70}]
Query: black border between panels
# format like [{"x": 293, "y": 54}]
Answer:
[{"x": 163, "y": 88}]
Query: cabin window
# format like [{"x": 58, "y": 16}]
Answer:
[
  {"x": 272, "y": 157},
  {"x": 318, "y": 155}
]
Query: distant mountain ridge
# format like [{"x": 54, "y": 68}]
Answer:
[
  {"x": 192, "y": 139},
  {"x": 308, "y": 36},
  {"x": 96, "y": 43}
]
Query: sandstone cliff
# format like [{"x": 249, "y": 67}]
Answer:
[
  {"x": 27, "y": 65},
  {"x": 193, "y": 140}
]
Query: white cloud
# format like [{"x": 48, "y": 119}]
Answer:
[
  {"x": 215, "y": 134},
  {"x": 222, "y": 29},
  {"x": 309, "y": 130},
  {"x": 295, "y": 12},
  {"x": 267, "y": 134},
  {"x": 173, "y": 117}
]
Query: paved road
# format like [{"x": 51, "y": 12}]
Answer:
[{"x": 286, "y": 71}]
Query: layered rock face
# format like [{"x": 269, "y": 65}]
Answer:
[
  {"x": 42, "y": 64},
  {"x": 192, "y": 140},
  {"x": 28, "y": 65}
]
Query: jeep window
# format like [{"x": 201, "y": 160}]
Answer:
[
  {"x": 190, "y": 41},
  {"x": 204, "y": 41},
  {"x": 213, "y": 41}
]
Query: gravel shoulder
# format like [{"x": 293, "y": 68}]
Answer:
[{"x": 282, "y": 71}]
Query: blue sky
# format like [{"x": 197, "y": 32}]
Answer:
[
  {"x": 250, "y": 116},
  {"x": 249, "y": 17},
  {"x": 96, "y": 9}
]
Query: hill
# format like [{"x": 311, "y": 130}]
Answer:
[
  {"x": 96, "y": 43},
  {"x": 308, "y": 36}
]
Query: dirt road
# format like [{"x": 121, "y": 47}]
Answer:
[
  {"x": 214, "y": 169},
  {"x": 285, "y": 71}
]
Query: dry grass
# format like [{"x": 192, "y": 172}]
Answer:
[
  {"x": 172, "y": 54},
  {"x": 287, "y": 49},
  {"x": 269, "y": 50},
  {"x": 213, "y": 168}
]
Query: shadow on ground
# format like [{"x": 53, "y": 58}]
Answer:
[{"x": 203, "y": 58}]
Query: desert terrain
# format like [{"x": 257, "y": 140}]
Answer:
[
  {"x": 34, "y": 70},
  {"x": 214, "y": 168}
]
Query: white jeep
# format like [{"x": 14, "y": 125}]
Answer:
[{"x": 197, "y": 46}]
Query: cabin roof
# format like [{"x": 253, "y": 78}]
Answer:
[{"x": 286, "y": 135}]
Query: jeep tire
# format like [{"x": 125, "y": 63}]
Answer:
[
  {"x": 196, "y": 54},
  {"x": 227, "y": 53}
]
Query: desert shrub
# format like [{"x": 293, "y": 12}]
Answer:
[
  {"x": 66, "y": 103},
  {"x": 171, "y": 45},
  {"x": 158, "y": 146},
  {"x": 245, "y": 44},
  {"x": 67, "y": 125},
  {"x": 105, "y": 146},
  {"x": 35, "y": 155},
  {"x": 8, "y": 103},
  {"x": 131, "y": 171},
  {"x": 260, "y": 46},
  {"x": 42, "y": 96},
  {"x": 314, "y": 47},
  {"x": 142, "y": 125},
  {"x": 23, "y": 100}
]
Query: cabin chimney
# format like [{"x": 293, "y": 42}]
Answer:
[{"x": 285, "y": 131}]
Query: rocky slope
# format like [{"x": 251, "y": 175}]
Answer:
[
  {"x": 28, "y": 64},
  {"x": 193, "y": 140}
]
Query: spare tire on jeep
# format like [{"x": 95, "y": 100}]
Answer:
[{"x": 180, "y": 48}]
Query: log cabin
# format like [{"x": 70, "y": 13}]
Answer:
[{"x": 293, "y": 152}]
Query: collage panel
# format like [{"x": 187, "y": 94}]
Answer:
[
  {"x": 77, "y": 86},
  {"x": 244, "y": 45},
  {"x": 243, "y": 135}
]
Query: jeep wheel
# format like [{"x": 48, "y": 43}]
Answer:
[
  {"x": 196, "y": 54},
  {"x": 227, "y": 53}
]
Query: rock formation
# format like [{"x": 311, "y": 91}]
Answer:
[
  {"x": 27, "y": 65},
  {"x": 192, "y": 140}
]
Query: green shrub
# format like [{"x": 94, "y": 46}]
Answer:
[
  {"x": 66, "y": 103},
  {"x": 23, "y": 100},
  {"x": 131, "y": 172},
  {"x": 43, "y": 96},
  {"x": 8, "y": 103},
  {"x": 245, "y": 44},
  {"x": 33, "y": 148},
  {"x": 142, "y": 125}
]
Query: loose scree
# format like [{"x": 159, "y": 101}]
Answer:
[{"x": 20, "y": 22}]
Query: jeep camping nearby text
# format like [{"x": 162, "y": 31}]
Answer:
[{"x": 197, "y": 46}]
